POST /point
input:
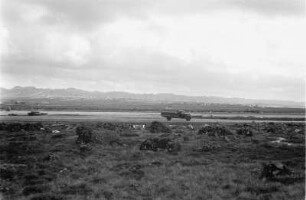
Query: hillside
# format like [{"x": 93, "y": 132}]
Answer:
[{"x": 72, "y": 93}]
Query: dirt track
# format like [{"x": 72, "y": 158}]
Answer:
[{"x": 118, "y": 117}]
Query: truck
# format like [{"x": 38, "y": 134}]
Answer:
[
  {"x": 36, "y": 113},
  {"x": 176, "y": 114}
]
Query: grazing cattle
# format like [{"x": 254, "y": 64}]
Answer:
[
  {"x": 139, "y": 127},
  {"x": 190, "y": 127},
  {"x": 55, "y": 131},
  {"x": 279, "y": 140}
]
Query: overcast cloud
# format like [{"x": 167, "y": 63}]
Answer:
[{"x": 233, "y": 48}]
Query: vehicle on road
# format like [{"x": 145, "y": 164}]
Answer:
[
  {"x": 176, "y": 114},
  {"x": 12, "y": 114},
  {"x": 36, "y": 113}
]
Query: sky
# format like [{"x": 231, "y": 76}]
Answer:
[{"x": 231, "y": 48}]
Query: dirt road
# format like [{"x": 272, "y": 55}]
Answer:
[{"x": 122, "y": 117}]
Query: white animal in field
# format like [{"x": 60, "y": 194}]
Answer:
[
  {"x": 190, "y": 127},
  {"x": 139, "y": 126}
]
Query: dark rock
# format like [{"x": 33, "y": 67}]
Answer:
[{"x": 271, "y": 170}]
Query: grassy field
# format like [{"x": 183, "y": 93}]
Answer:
[{"x": 224, "y": 163}]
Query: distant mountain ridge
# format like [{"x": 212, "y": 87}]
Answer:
[{"x": 72, "y": 93}]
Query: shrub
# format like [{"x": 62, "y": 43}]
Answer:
[
  {"x": 105, "y": 137},
  {"x": 205, "y": 129},
  {"x": 244, "y": 131},
  {"x": 216, "y": 131},
  {"x": 15, "y": 127},
  {"x": 158, "y": 127},
  {"x": 154, "y": 144},
  {"x": 174, "y": 147},
  {"x": 84, "y": 135},
  {"x": 107, "y": 126}
]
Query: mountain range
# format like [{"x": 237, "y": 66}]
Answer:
[{"x": 72, "y": 93}]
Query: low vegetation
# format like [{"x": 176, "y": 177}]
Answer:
[{"x": 178, "y": 161}]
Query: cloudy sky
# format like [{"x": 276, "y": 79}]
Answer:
[{"x": 232, "y": 48}]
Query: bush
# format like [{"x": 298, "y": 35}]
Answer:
[
  {"x": 84, "y": 135},
  {"x": 174, "y": 147},
  {"x": 118, "y": 127},
  {"x": 107, "y": 126},
  {"x": 32, "y": 126},
  {"x": 158, "y": 127},
  {"x": 105, "y": 137},
  {"x": 154, "y": 144},
  {"x": 244, "y": 131},
  {"x": 205, "y": 129},
  {"x": 216, "y": 131},
  {"x": 16, "y": 127}
]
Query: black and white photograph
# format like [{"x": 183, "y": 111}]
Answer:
[{"x": 152, "y": 99}]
